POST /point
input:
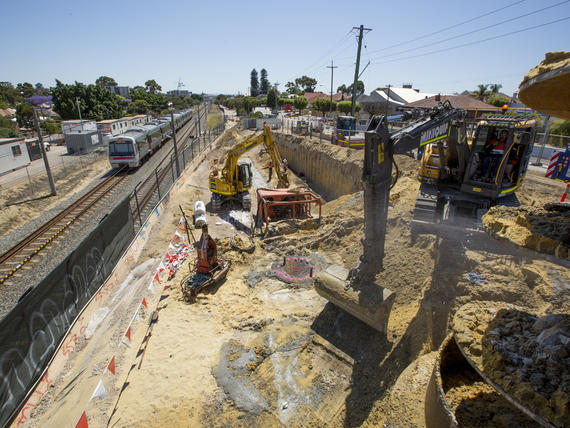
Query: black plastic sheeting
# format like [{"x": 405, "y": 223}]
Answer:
[{"x": 32, "y": 331}]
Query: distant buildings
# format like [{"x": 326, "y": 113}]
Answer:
[
  {"x": 180, "y": 92},
  {"x": 123, "y": 91},
  {"x": 390, "y": 100}
]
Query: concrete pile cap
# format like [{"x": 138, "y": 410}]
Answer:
[{"x": 546, "y": 88}]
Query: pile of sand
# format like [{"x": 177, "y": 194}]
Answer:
[{"x": 545, "y": 231}]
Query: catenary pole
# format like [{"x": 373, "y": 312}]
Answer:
[{"x": 174, "y": 141}]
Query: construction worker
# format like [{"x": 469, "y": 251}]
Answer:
[
  {"x": 284, "y": 164},
  {"x": 207, "y": 252},
  {"x": 270, "y": 167},
  {"x": 494, "y": 151}
]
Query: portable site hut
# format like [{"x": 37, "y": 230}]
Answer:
[
  {"x": 82, "y": 143},
  {"x": 81, "y": 136},
  {"x": 13, "y": 154}
]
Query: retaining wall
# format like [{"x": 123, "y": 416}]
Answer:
[{"x": 332, "y": 171}]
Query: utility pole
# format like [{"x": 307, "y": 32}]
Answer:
[
  {"x": 77, "y": 100},
  {"x": 361, "y": 30},
  {"x": 276, "y": 95},
  {"x": 388, "y": 100},
  {"x": 332, "y": 67},
  {"x": 44, "y": 154},
  {"x": 174, "y": 140}
]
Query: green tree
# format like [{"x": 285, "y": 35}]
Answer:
[
  {"x": 152, "y": 87},
  {"x": 26, "y": 89},
  {"x": 308, "y": 84},
  {"x": 498, "y": 101},
  {"x": 96, "y": 103},
  {"x": 25, "y": 115},
  {"x": 263, "y": 82},
  {"x": 272, "y": 96},
  {"x": 50, "y": 126},
  {"x": 300, "y": 103},
  {"x": 292, "y": 88},
  {"x": 9, "y": 94},
  {"x": 324, "y": 105},
  {"x": 40, "y": 90},
  {"x": 359, "y": 88},
  {"x": 7, "y": 129},
  {"x": 253, "y": 83},
  {"x": 345, "y": 107},
  {"x": 138, "y": 107},
  {"x": 105, "y": 82},
  {"x": 342, "y": 89},
  {"x": 561, "y": 128},
  {"x": 481, "y": 92},
  {"x": 495, "y": 87}
]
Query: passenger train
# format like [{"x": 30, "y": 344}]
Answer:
[{"x": 136, "y": 145}]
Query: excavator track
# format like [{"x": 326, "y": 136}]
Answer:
[{"x": 425, "y": 210}]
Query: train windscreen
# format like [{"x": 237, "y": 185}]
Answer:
[{"x": 121, "y": 148}]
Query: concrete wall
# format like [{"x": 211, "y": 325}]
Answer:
[{"x": 331, "y": 171}]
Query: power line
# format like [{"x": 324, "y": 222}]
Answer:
[
  {"x": 450, "y": 27},
  {"x": 480, "y": 29},
  {"x": 474, "y": 42},
  {"x": 317, "y": 63}
]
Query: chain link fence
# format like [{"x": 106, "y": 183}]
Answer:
[{"x": 148, "y": 193}]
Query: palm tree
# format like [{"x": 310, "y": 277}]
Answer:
[
  {"x": 495, "y": 87},
  {"x": 481, "y": 92}
]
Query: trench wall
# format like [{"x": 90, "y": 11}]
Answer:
[{"x": 332, "y": 171}]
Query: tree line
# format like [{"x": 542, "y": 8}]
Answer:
[{"x": 96, "y": 101}]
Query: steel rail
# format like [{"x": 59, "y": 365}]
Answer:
[{"x": 84, "y": 204}]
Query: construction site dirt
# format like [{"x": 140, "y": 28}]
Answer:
[{"x": 264, "y": 349}]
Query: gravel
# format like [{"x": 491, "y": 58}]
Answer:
[{"x": 53, "y": 255}]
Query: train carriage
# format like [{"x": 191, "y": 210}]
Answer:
[{"x": 134, "y": 146}]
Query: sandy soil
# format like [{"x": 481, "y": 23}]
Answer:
[
  {"x": 258, "y": 351},
  {"x": 19, "y": 206},
  {"x": 527, "y": 355}
]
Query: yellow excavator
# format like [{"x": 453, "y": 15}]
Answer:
[{"x": 235, "y": 178}]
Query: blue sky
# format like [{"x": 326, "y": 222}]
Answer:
[{"x": 212, "y": 46}]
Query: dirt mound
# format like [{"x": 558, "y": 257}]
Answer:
[
  {"x": 525, "y": 354},
  {"x": 545, "y": 231}
]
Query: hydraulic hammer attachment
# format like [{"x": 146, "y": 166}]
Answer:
[{"x": 355, "y": 291}]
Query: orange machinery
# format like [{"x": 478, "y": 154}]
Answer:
[{"x": 281, "y": 204}]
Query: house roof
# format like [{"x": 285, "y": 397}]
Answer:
[
  {"x": 312, "y": 96},
  {"x": 407, "y": 95},
  {"x": 458, "y": 101}
]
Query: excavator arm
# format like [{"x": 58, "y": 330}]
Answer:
[
  {"x": 355, "y": 290},
  {"x": 283, "y": 180},
  {"x": 266, "y": 137}
]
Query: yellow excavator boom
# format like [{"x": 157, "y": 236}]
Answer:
[{"x": 266, "y": 137}]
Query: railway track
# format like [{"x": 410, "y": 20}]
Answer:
[{"x": 22, "y": 253}]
